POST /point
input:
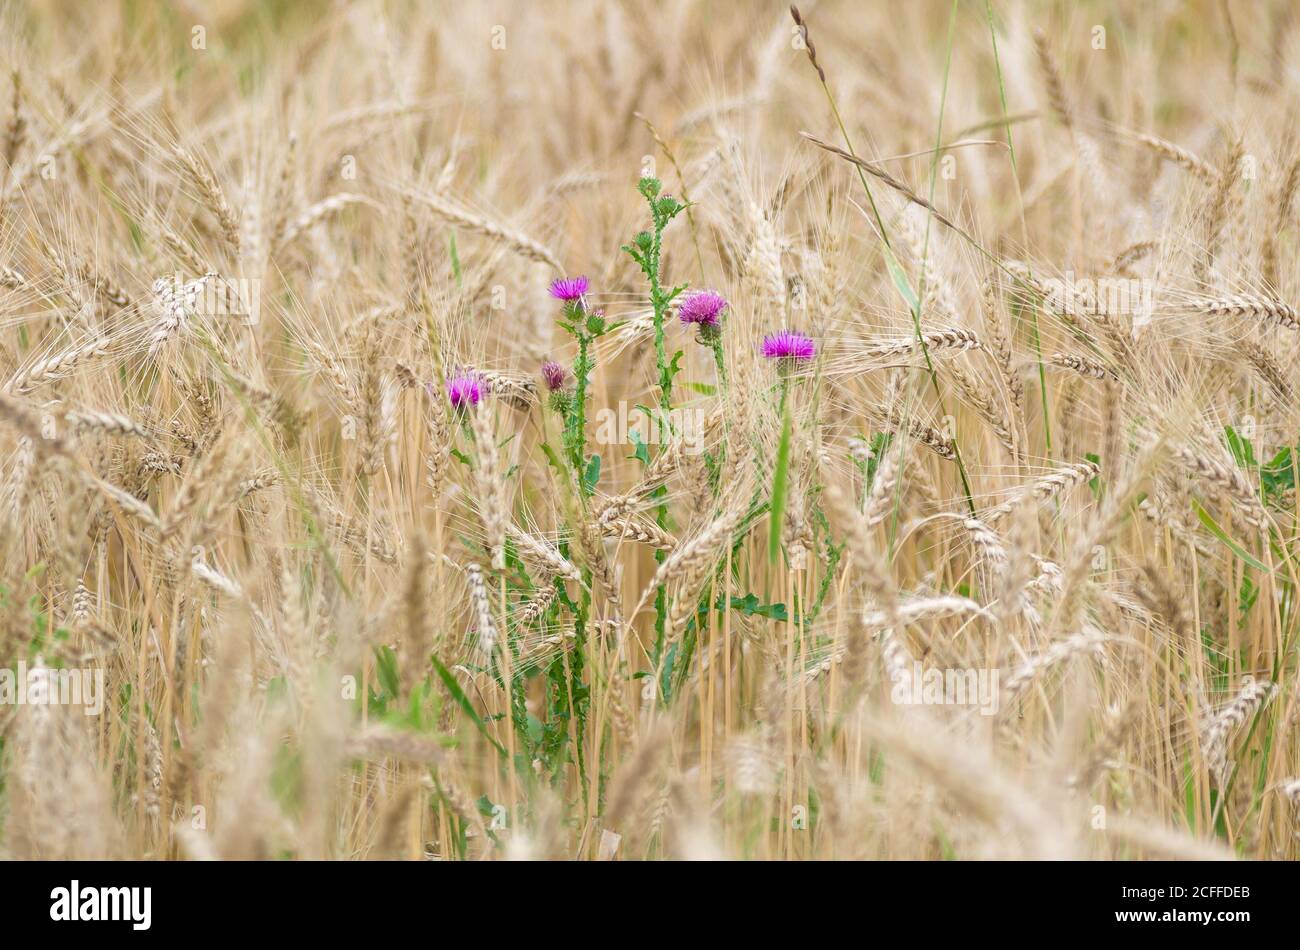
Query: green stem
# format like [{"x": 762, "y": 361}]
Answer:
[
  {"x": 576, "y": 434},
  {"x": 914, "y": 307},
  {"x": 719, "y": 361},
  {"x": 660, "y": 308}
]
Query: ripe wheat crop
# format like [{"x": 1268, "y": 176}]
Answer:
[{"x": 621, "y": 431}]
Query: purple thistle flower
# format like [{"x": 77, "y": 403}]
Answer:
[
  {"x": 788, "y": 345},
  {"x": 466, "y": 390},
  {"x": 553, "y": 374},
  {"x": 569, "y": 289},
  {"x": 702, "y": 307}
]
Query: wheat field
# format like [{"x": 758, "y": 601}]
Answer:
[{"x": 614, "y": 431}]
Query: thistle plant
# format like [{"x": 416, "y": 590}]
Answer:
[
  {"x": 556, "y": 378},
  {"x": 788, "y": 350},
  {"x": 465, "y": 390},
  {"x": 585, "y": 326},
  {"x": 646, "y": 249},
  {"x": 703, "y": 309}
]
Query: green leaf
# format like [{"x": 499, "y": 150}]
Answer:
[
  {"x": 666, "y": 678},
  {"x": 1219, "y": 533},
  {"x": 635, "y": 254},
  {"x": 1095, "y": 459},
  {"x": 554, "y": 460},
  {"x": 880, "y": 443},
  {"x": 592, "y": 475},
  {"x": 900, "y": 281},
  {"x": 1279, "y": 474},
  {"x": 1242, "y": 449},
  {"x": 455, "y": 257},
  {"x": 1247, "y": 595},
  {"x": 751, "y": 606},
  {"x": 642, "y": 453},
  {"x": 463, "y": 702},
  {"x": 780, "y": 484},
  {"x": 534, "y": 727},
  {"x": 386, "y": 669}
]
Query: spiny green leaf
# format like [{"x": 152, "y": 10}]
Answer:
[{"x": 751, "y": 606}]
